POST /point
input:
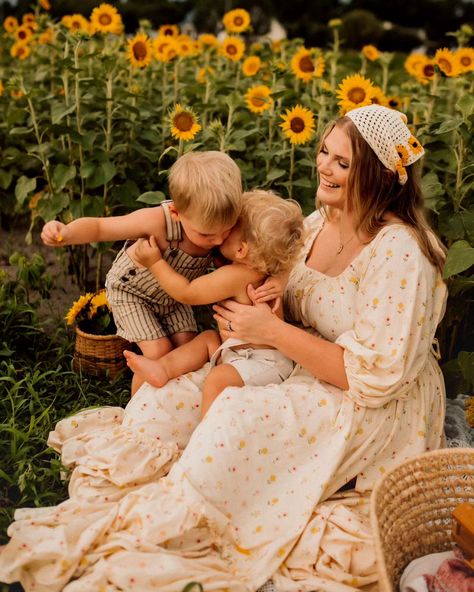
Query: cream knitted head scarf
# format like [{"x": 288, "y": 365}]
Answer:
[{"x": 386, "y": 132}]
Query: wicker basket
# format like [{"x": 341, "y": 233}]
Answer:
[
  {"x": 411, "y": 509},
  {"x": 99, "y": 355}
]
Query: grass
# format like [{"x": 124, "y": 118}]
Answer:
[{"x": 38, "y": 387}]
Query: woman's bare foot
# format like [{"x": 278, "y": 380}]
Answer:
[{"x": 152, "y": 371}]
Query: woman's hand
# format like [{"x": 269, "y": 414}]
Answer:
[
  {"x": 252, "y": 323},
  {"x": 147, "y": 252},
  {"x": 54, "y": 234},
  {"x": 271, "y": 291}
]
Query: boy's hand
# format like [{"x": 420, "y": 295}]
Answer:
[
  {"x": 147, "y": 251},
  {"x": 54, "y": 234}
]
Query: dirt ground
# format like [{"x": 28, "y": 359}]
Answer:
[{"x": 64, "y": 288}]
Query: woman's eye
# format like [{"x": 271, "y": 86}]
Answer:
[{"x": 343, "y": 165}]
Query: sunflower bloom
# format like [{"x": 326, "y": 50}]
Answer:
[
  {"x": 258, "y": 99},
  {"x": 20, "y": 51},
  {"x": 168, "y": 30},
  {"x": 161, "y": 44},
  {"x": 139, "y": 51},
  {"x": 370, "y": 52},
  {"x": 10, "y": 24},
  {"x": 447, "y": 63},
  {"x": 17, "y": 93},
  {"x": 298, "y": 124},
  {"x": 106, "y": 19},
  {"x": 76, "y": 308},
  {"x": 185, "y": 46},
  {"x": 98, "y": 300},
  {"x": 414, "y": 63},
  {"x": 236, "y": 21},
  {"x": 204, "y": 73},
  {"x": 184, "y": 125},
  {"x": 77, "y": 23},
  {"x": 306, "y": 66},
  {"x": 394, "y": 102},
  {"x": 465, "y": 58},
  {"x": 46, "y": 37},
  {"x": 232, "y": 48},
  {"x": 23, "y": 34},
  {"x": 45, "y": 4},
  {"x": 2, "y": 88},
  {"x": 28, "y": 19},
  {"x": 355, "y": 91},
  {"x": 251, "y": 66},
  {"x": 377, "y": 97},
  {"x": 208, "y": 40}
]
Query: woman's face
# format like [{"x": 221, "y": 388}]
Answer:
[{"x": 333, "y": 162}]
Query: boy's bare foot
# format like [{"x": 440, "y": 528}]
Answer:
[{"x": 152, "y": 371}]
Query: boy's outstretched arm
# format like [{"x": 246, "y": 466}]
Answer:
[
  {"x": 226, "y": 282},
  {"x": 143, "y": 222}
]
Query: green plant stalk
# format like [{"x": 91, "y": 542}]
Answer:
[
  {"x": 459, "y": 153},
  {"x": 228, "y": 127},
  {"x": 384, "y": 77},
  {"x": 180, "y": 148},
  {"x": 433, "y": 93},
  {"x": 292, "y": 170},
  {"x": 77, "y": 99},
  {"x": 176, "y": 80},
  {"x": 334, "y": 58},
  {"x": 65, "y": 80}
]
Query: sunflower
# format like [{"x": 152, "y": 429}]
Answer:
[
  {"x": 106, "y": 19},
  {"x": 306, "y": 66},
  {"x": 23, "y": 34},
  {"x": 168, "y": 30},
  {"x": 377, "y": 97},
  {"x": 258, "y": 98},
  {"x": 10, "y": 24},
  {"x": 184, "y": 125},
  {"x": 77, "y": 307},
  {"x": 203, "y": 74},
  {"x": 98, "y": 300},
  {"x": 77, "y": 23},
  {"x": 185, "y": 46},
  {"x": 28, "y": 19},
  {"x": 447, "y": 63},
  {"x": 370, "y": 52},
  {"x": 20, "y": 51},
  {"x": 236, "y": 21},
  {"x": 415, "y": 146},
  {"x": 45, "y": 4},
  {"x": 251, "y": 66},
  {"x": 208, "y": 40},
  {"x": 161, "y": 45},
  {"x": 46, "y": 37},
  {"x": 465, "y": 58},
  {"x": 232, "y": 48},
  {"x": 2, "y": 88},
  {"x": 139, "y": 51},
  {"x": 394, "y": 102},
  {"x": 414, "y": 63},
  {"x": 355, "y": 91},
  {"x": 298, "y": 124}
]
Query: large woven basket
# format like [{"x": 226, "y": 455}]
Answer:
[
  {"x": 411, "y": 509},
  {"x": 99, "y": 355}
]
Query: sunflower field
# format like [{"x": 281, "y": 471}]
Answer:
[{"x": 91, "y": 119}]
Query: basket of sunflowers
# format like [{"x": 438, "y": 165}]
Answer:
[{"x": 98, "y": 350}]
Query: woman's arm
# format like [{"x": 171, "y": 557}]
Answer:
[
  {"x": 257, "y": 324},
  {"x": 228, "y": 281}
]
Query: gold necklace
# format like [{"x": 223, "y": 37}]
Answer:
[{"x": 343, "y": 244}]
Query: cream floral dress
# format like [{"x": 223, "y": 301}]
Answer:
[{"x": 158, "y": 500}]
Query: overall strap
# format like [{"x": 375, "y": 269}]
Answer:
[{"x": 173, "y": 228}]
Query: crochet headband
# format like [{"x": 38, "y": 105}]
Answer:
[{"x": 386, "y": 132}]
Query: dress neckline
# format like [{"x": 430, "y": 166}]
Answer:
[{"x": 359, "y": 254}]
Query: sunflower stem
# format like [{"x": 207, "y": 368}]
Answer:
[
  {"x": 176, "y": 80},
  {"x": 292, "y": 170},
  {"x": 180, "y": 148}
]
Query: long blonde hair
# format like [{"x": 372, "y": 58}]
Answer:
[{"x": 373, "y": 191}]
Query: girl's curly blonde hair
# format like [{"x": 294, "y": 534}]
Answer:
[{"x": 273, "y": 228}]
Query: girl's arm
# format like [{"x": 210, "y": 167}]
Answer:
[
  {"x": 257, "y": 324},
  {"x": 140, "y": 223},
  {"x": 228, "y": 281}
]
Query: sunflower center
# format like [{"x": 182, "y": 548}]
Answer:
[
  {"x": 428, "y": 70},
  {"x": 445, "y": 65},
  {"x": 105, "y": 20},
  {"x": 466, "y": 61},
  {"x": 21, "y": 34},
  {"x": 297, "y": 125},
  {"x": 393, "y": 103},
  {"x": 75, "y": 25},
  {"x": 139, "y": 50},
  {"x": 306, "y": 64},
  {"x": 183, "y": 121},
  {"x": 258, "y": 100},
  {"x": 168, "y": 32},
  {"x": 356, "y": 95},
  {"x": 238, "y": 21},
  {"x": 231, "y": 49}
]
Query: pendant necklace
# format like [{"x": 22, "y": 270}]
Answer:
[{"x": 342, "y": 244}]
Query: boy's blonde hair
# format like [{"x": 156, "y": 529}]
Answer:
[
  {"x": 273, "y": 228},
  {"x": 207, "y": 185}
]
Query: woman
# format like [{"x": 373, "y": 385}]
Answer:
[{"x": 254, "y": 493}]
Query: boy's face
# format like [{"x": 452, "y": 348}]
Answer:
[{"x": 204, "y": 237}]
